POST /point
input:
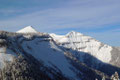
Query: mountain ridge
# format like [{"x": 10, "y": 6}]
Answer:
[
  {"x": 41, "y": 51},
  {"x": 74, "y": 56}
]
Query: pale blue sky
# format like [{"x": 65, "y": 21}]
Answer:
[{"x": 97, "y": 18}]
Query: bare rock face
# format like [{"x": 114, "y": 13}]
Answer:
[{"x": 3, "y": 42}]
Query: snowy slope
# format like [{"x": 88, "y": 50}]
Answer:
[
  {"x": 49, "y": 53},
  {"x": 28, "y": 29}
]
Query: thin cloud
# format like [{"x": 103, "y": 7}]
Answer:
[{"x": 92, "y": 14}]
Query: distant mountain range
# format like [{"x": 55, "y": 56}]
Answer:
[{"x": 31, "y": 55}]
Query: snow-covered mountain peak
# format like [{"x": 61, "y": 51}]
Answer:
[
  {"x": 73, "y": 33},
  {"x": 28, "y": 29},
  {"x": 77, "y": 41},
  {"x": 71, "y": 37}
]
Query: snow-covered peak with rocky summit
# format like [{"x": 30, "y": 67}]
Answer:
[
  {"x": 78, "y": 41},
  {"x": 28, "y": 29}
]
